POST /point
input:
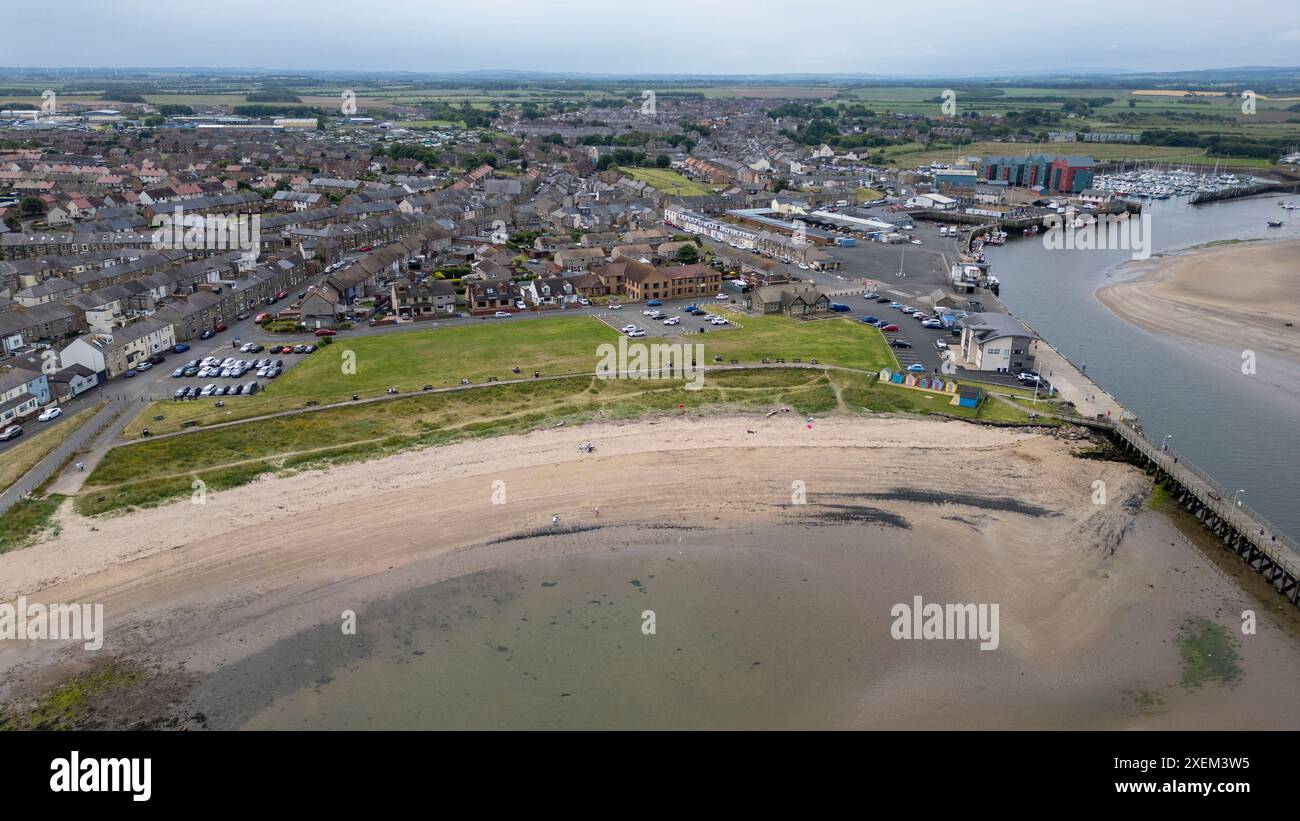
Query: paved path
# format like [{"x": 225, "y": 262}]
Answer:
[
  {"x": 1072, "y": 384},
  {"x": 110, "y": 416}
]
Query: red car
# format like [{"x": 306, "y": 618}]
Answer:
[
  {"x": 282, "y": 295},
  {"x": 324, "y": 332},
  {"x": 260, "y": 318},
  {"x": 218, "y": 327},
  {"x": 890, "y": 328},
  {"x": 366, "y": 248}
]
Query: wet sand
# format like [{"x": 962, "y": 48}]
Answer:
[
  {"x": 768, "y": 612},
  {"x": 1239, "y": 296}
]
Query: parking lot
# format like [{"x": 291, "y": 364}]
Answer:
[
  {"x": 224, "y": 372},
  {"x": 688, "y": 324}
]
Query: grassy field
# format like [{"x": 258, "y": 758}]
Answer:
[
  {"x": 563, "y": 345},
  {"x": 24, "y": 523},
  {"x": 155, "y": 471},
  {"x": 669, "y": 182},
  {"x": 23, "y": 457}
]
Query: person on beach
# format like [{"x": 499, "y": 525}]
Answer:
[{"x": 555, "y": 520}]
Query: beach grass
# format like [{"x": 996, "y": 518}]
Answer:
[
  {"x": 154, "y": 471},
  {"x": 27, "y": 521},
  {"x": 23, "y": 457}
]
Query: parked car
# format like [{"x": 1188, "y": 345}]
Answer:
[
  {"x": 839, "y": 307},
  {"x": 636, "y": 334},
  {"x": 627, "y": 329},
  {"x": 889, "y": 328},
  {"x": 722, "y": 297},
  {"x": 896, "y": 305},
  {"x": 916, "y": 368},
  {"x": 309, "y": 349},
  {"x": 219, "y": 327},
  {"x": 870, "y": 295},
  {"x": 262, "y": 317},
  {"x": 673, "y": 320},
  {"x": 208, "y": 334},
  {"x": 324, "y": 332},
  {"x": 49, "y": 414},
  {"x": 941, "y": 345},
  {"x": 884, "y": 300},
  {"x": 870, "y": 320},
  {"x": 242, "y": 316},
  {"x": 653, "y": 303},
  {"x": 900, "y": 343},
  {"x": 502, "y": 314},
  {"x": 614, "y": 306},
  {"x": 180, "y": 347},
  {"x": 11, "y": 432}
]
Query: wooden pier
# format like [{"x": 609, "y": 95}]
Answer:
[{"x": 1266, "y": 549}]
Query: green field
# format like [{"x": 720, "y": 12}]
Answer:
[
  {"x": 669, "y": 182},
  {"x": 555, "y": 346}
]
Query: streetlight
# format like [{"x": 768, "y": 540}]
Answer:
[
  {"x": 1235, "y": 503},
  {"x": 1164, "y": 443}
]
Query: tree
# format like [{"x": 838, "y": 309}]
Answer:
[
  {"x": 31, "y": 207},
  {"x": 662, "y": 161},
  {"x": 688, "y": 254}
]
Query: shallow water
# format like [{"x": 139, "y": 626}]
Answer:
[{"x": 1241, "y": 431}]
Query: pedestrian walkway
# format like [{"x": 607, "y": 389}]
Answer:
[{"x": 1072, "y": 384}]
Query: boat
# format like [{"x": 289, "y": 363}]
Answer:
[{"x": 1275, "y": 223}]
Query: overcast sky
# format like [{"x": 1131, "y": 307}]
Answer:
[{"x": 665, "y": 37}]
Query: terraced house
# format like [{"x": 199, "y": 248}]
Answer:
[{"x": 22, "y": 392}]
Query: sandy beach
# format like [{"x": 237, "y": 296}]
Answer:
[
  {"x": 1236, "y": 296},
  {"x": 770, "y": 548}
]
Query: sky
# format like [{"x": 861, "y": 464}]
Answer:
[{"x": 972, "y": 37}]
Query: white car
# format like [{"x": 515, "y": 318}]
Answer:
[
  {"x": 636, "y": 334},
  {"x": 50, "y": 413},
  {"x": 614, "y": 306},
  {"x": 584, "y": 301},
  {"x": 721, "y": 297},
  {"x": 941, "y": 345},
  {"x": 502, "y": 314},
  {"x": 648, "y": 312},
  {"x": 627, "y": 329},
  {"x": 717, "y": 320},
  {"x": 519, "y": 303},
  {"x": 673, "y": 320}
]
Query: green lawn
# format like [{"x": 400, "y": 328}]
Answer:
[
  {"x": 669, "y": 182},
  {"x": 563, "y": 345}
]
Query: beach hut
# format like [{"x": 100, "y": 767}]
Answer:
[{"x": 969, "y": 397}]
